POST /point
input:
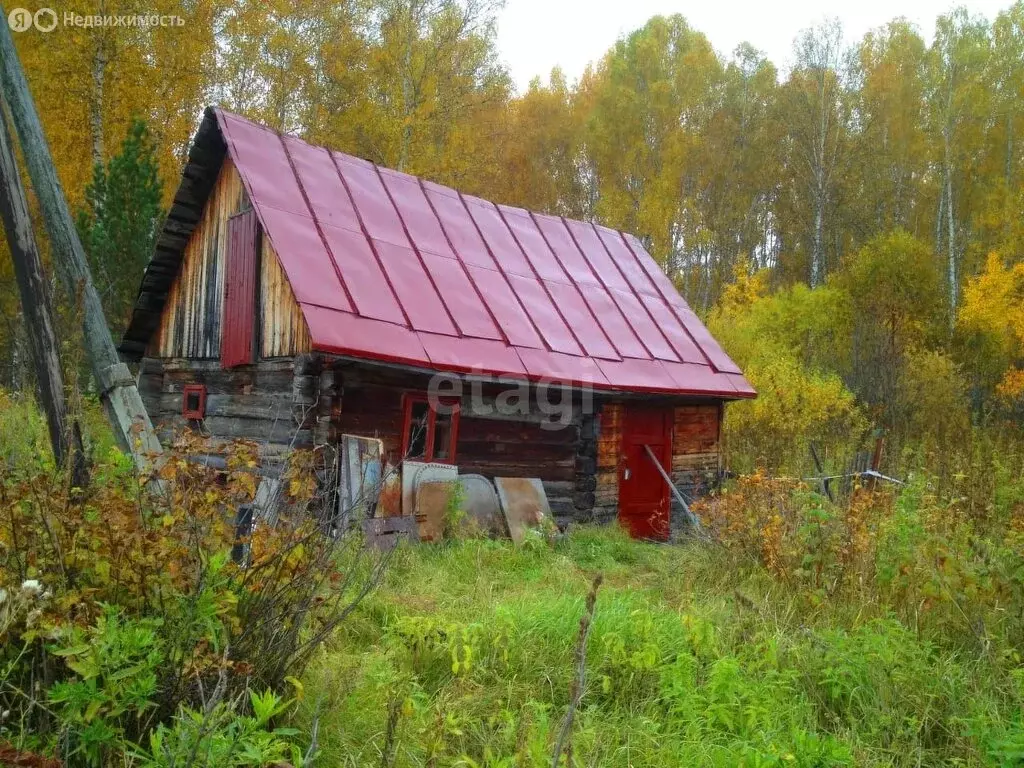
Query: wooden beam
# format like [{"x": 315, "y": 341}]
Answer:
[
  {"x": 692, "y": 518},
  {"x": 120, "y": 398},
  {"x": 37, "y": 310}
]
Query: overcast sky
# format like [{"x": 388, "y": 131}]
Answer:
[{"x": 536, "y": 35}]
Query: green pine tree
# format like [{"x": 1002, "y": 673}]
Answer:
[{"x": 120, "y": 222}]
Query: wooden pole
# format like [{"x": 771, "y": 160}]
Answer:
[
  {"x": 692, "y": 518},
  {"x": 116, "y": 386},
  {"x": 37, "y": 309}
]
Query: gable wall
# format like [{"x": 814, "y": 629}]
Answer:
[{"x": 190, "y": 325}]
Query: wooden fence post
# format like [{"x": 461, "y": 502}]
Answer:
[
  {"x": 116, "y": 386},
  {"x": 37, "y": 309}
]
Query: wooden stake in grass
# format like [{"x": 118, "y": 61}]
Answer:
[
  {"x": 579, "y": 680},
  {"x": 35, "y": 302},
  {"x": 114, "y": 381}
]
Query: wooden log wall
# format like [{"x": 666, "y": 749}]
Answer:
[
  {"x": 609, "y": 449},
  {"x": 696, "y": 452},
  {"x": 190, "y": 325},
  {"x": 271, "y": 402},
  {"x": 696, "y": 457},
  {"x": 489, "y": 443}
]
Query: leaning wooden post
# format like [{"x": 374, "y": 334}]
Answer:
[
  {"x": 38, "y": 312},
  {"x": 116, "y": 386}
]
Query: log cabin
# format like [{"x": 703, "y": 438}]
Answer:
[{"x": 298, "y": 294}]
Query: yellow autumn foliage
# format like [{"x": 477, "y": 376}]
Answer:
[{"x": 991, "y": 320}]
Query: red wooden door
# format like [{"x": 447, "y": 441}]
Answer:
[
  {"x": 238, "y": 331},
  {"x": 643, "y": 493}
]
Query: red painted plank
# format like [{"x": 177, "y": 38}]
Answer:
[{"x": 238, "y": 329}]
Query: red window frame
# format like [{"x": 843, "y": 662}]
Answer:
[
  {"x": 409, "y": 399},
  {"x": 199, "y": 412}
]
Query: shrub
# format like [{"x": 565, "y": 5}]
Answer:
[{"x": 134, "y": 609}]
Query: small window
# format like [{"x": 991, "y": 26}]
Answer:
[
  {"x": 193, "y": 402},
  {"x": 430, "y": 429}
]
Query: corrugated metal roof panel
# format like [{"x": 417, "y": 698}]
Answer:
[{"x": 389, "y": 267}]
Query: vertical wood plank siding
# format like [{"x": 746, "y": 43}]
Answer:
[
  {"x": 696, "y": 453},
  {"x": 191, "y": 323},
  {"x": 283, "y": 330}
]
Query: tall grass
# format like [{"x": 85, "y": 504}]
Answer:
[{"x": 697, "y": 657}]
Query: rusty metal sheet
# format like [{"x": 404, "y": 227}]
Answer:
[
  {"x": 432, "y": 500},
  {"x": 385, "y": 533},
  {"x": 416, "y": 472},
  {"x": 523, "y": 503},
  {"x": 390, "y": 502},
  {"x": 482, "y": 506}
]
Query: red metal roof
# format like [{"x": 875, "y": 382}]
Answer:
[{"x": 389, "y": 267}]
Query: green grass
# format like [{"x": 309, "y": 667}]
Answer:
[{"x": 692, "y": 661}]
